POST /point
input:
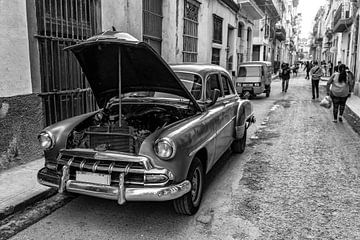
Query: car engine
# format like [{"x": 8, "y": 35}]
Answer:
[{"x": 138, "y": 120}]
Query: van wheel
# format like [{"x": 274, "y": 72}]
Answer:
[
  {"x": 189, "y": 203},
  {"x": 238, "y": 145}
]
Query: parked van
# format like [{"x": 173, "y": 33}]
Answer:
[{"x": 254, "y": 78}]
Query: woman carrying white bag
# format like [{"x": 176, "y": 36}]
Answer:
[{"x": 339, "y": 87}]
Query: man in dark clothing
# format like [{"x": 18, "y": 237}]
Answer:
[
  {"x": 336, "y": 68},
  {"x": 308, "y": 68},
  {"x": 316, "y": 74},
  {"x": 285, "y": 77},
  {"x": 330, "y": 66}
]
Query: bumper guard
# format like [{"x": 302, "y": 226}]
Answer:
[{"x": 119, "y": 193}]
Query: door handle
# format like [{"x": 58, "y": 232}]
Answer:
[{"x": 226, "y": 102}]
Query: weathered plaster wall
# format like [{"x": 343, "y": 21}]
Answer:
[
  {"x": 124, "y": 15},
  {"x": 172, "y": 25},
  {"x": 207, "y": 9},
  {"x": 15, "y": 78}
]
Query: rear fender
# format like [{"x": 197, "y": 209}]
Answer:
[{"x": 244, "y": 118}]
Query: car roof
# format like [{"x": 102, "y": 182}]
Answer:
[
  {"x": 257, "y": 62},
  {"x": 251, "y": 65},
  {"x": 201, "y": 69}
]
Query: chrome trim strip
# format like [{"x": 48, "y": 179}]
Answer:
[
  {"x": 70, "y": 161},
  {"x": 82, "y": 164},
  {"x": 222, "y": 128},
  {"x": 127, "y": 168},
  {"x": 94, "y": 167},
  {"x": 202, "y": 145},
  {"x": 210, "y": 139},
  {"x": 120, "y": 157},
  {"x": 107, "y": 156},
  {"x": 110, "y": 169}
]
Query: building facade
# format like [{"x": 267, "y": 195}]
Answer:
[
  {"x": 41, "y": 80},
  {"x": 336, "y": 35}
]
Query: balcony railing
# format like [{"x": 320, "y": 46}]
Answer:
[{"x": 344, "y": 16}]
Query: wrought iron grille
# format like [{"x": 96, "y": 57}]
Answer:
[
  {"x": 61, "y": 23},
  {"x": 152, "y": 23},
  {"x": 190, "y": 36}
]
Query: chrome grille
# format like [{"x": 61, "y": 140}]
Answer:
[{"x": 134, "y": 171}]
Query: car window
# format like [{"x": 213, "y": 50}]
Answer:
[
  {"x": 192, "y": 82},
  {"x": 249, "y": 71},
  {"x": 225, "y": 85},
  {"x": 212, "y": 83},
  {"x": 228, "y": 88}
]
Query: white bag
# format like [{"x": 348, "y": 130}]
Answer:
[{"x": 326, "y": 102}]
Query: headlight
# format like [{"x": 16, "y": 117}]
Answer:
[
  {"x": 238, "y": 84},
  {"x": 165, "y": 148},
  {"x": 46, "y": 140}
]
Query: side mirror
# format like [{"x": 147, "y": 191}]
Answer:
[{"x": 214, "y": 96}]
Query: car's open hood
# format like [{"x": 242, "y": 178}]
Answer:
[{"x": 141, "y": 68}]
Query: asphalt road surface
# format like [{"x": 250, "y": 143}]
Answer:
[{"x": 298, "y": 179}]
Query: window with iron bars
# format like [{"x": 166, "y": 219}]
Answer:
[
  {"x": 152, "y": 23},
  {"x": 190, "y": 36},
  {"x": 64, "y": 90},
  {"x": 217, "y": 35}
]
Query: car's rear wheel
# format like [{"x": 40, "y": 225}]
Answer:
[
  {"x": 189, "y": 203},
  {"x": 238, "y": 145}
]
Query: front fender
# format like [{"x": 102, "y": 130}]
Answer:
[
  {"x": 61, "y": 131},
  {"x": 187, "y": 135}
]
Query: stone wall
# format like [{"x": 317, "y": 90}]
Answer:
[{"x": 21, "y": 120}]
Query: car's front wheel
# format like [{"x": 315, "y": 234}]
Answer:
[
  {"x": 238, "y": 145},
  {"x": 189, "y": 203}
]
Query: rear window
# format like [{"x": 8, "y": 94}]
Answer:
[{"x": 249, "y": 71}]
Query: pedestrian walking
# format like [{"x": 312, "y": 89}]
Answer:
[
  {"x": 285, "y": 74},
  {"x": 336, "y": 68},
  {"x": 316, "y": 74},
  {"x": 307, "y": 68},
  {"x": 339, "y": 87},
  {"x": 330, "y": 66}
]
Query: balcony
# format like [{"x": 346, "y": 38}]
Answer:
[
  {"x": 280, "y": 33},
  {"x": 250, "y": 7},
  {"x": 271, "y": 7},
  {"x": 344, "y": 16}
]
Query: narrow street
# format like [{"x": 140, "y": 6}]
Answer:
[{"x": 298, "y": 179}]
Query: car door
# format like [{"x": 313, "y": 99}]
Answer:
[
  {"x": 215, "y": 113},
  {"x": 226, "y": 131}
]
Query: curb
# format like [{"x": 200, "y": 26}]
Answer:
[
  {"x": 352, "y": 118},
  {"x": 21, "y": 206}
]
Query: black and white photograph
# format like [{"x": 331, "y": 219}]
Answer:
[{"x": 179, "y": 119}]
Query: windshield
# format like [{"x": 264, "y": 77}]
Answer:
[
  {"x": 192, "y": 82},
  {"x": 249, "y": 71}
]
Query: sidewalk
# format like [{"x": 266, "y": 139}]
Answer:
[{"x": 19, "y": 188}]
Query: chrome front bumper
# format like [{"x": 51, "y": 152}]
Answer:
[{"x": 119, "y": 193}]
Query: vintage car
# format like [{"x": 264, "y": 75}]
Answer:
[{"x": 158, "y": 130}]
